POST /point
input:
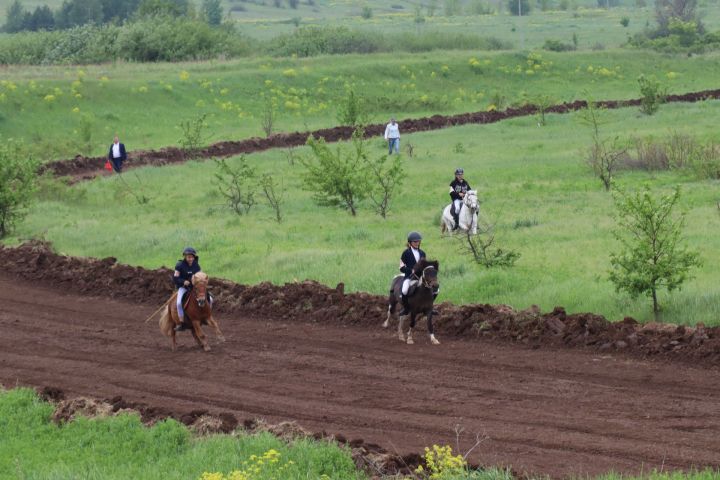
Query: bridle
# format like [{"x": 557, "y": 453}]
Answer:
[{"x": 423, "y": 281}]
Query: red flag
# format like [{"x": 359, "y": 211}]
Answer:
[{"x": 108, "y": 167}]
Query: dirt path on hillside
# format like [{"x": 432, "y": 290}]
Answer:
[
  {"x": 86, "y": 168},
  {"x": 555, "y": 411}
]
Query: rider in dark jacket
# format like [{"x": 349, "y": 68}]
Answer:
[
  {"x": 184, "y": 270},
  {"x": 408, "y": 259},
  {"x": 458, "y": 188}
]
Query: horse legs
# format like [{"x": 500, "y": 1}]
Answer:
[
  {"x": 199, "y": 336},
  {"x": 410, "y": 340},
  {"x": 401, "y": 337},
  {"x": 211, "y": 321},
  {"x": 386, "y": 323},
  {"x": 433, "y": 340}
]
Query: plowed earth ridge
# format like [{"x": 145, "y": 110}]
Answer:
[
  {"x": 315, "y": 355},
  {"x": 85, "y": 168}
]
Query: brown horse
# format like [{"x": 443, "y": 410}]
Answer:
[
  {"x": 198, "y": 311},
  {"x": 420, "y": 301}
]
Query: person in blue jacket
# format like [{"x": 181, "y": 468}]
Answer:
[
  {"x": 408, "y": 259},
  {"x": 184, "y": 270}
]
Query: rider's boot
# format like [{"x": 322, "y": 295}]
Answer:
[
  {"x": 180, "y": 326},
  {"x": 456, "y": 217},
  {"x": 406, "y": 307}
]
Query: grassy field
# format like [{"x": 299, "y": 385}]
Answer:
[
  {"x": 62, "y": 111},
  {"x": 532, "y": 182},
  {"x": 121, "y": 447}
]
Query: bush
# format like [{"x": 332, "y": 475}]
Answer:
[
  {"x": 18, "y": 180},
  {"x": 625, "y": 21},
  {"x": 652, "y": 94},
  {"x": 366, "y": 13},
  {"x": 557, "y": 46}
]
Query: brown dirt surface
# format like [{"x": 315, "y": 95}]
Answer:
[
  {"x": 85, "y": 168},
  {"x": 548, "y": 394}
]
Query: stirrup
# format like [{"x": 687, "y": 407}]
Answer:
[{"x": 180, "y": 327}]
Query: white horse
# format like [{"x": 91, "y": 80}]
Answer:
[{"x": 469, "y": 209}]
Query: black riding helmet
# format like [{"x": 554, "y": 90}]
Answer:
[
  {"x": 414, "y": 237},
  {"x": 190, "y": 251},
  {"x": 459, "y": 171}
]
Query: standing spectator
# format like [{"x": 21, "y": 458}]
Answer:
[
  {"x": 392, "y": 135},
  {"x": 117, "y": 154}
]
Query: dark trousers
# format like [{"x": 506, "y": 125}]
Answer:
[{"x": 117, "y": 164}]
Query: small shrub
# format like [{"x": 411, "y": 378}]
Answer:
[
  {"x": 366, "y": 13},
  {"x": 525, "y": 223},
  {"x": 557, "y": 46},
  {"x": 652, "y": 94},
  {"x": 236, "y": 184},
  {"x": 18, "y": 182},
  {"x": 459, "y": 148},
  {"x": 193, "y": 135},
  {"x": 518, "y": 7},
  {"x": 625, "y": 21}
]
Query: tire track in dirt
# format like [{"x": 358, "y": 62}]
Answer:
[
  {"x": 554, "y": 411},
  {"x": 85, "y": 168}
]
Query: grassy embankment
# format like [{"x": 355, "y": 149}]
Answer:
[
  {"x": 62, "y": 111},
  {"x": 532, "y": 181},
  {"x": 120, "y": 447}
]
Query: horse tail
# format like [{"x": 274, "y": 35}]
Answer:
[{"x": 165, "y": 323}]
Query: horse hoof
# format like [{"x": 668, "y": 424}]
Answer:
[
  {"x": 206, "y": 348},
  {"x": 385, "y": 324},
  {"x": 401, "y": 337},
  {"x": 410, "y": 341},
  {"x": 434, "y": 340},
  {"x": 222, "y": 339}
]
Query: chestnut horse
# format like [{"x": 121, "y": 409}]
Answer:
[
  {"x": 198, "y": 311},
  {"x": 420, "y": 301}
]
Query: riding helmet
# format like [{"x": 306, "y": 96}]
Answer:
[
  {"x": 459, "y": 171},
  {"x": 414, "y": 237},
  {"x": 189, "y": 251}
]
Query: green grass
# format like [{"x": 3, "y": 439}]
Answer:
[
  {"x": 145, "y": 103},
  {"x": 33, "y": 447},
  {"x": 532, "y": 182}
]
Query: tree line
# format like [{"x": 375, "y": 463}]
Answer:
[{"x": 74, "y": 13}]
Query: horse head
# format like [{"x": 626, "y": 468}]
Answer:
[
  {"x": 427, "y": 270},
  {"x": 200, "y": 282},
  {"x": 471, "y": 200}
]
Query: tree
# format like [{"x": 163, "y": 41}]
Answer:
[
  {"x": 173, "y": 8},
  {"x": 387, "y": 178},
  {"x": 213, "y": 11},
  {"x": 518, "y": 7},
  {"x": 15, "y": 18},
  {"x": 74, "y": 13},
  {"x": 337, "y": 178},
  {"x": 18, "y": 179},
  {"x": 114, "y": 10},
  {"x": 651, "y": 257},
  {"x": 236, "y": 184},
  {"x": 42, "y": 19},
  {"x": 667, "y": 10},
  {"x": 352, "y": 112},
  {"x": 604, "y": 155}
]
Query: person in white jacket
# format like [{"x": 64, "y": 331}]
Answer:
[{"x": 392, "y": 135}]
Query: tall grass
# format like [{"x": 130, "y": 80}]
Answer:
[{"x": 121, "y": 447}]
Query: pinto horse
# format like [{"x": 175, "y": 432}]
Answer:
[
  {"x": 198, "y": 311},
  {"x": 420, "y": 301}
]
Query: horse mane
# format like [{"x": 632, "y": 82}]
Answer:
[
  {"x": 423, "y": 264},
  {"x": 200, "y": 277}
]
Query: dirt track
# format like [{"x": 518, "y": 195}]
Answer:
[{"x": 553, "y": 411}]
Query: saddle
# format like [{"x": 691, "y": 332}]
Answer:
[{"x": 413, "y": 287}]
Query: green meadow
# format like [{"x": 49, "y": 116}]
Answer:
[
  {"x": 64, "y": 111},
  {"x": 532, "y": 181}
]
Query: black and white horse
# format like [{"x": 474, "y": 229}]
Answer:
[{"x": 420, "y": 301}]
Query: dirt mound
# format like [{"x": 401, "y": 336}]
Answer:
[
  {"x": 310, "y": 301},
  {"x": 84, "y": 168}
]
